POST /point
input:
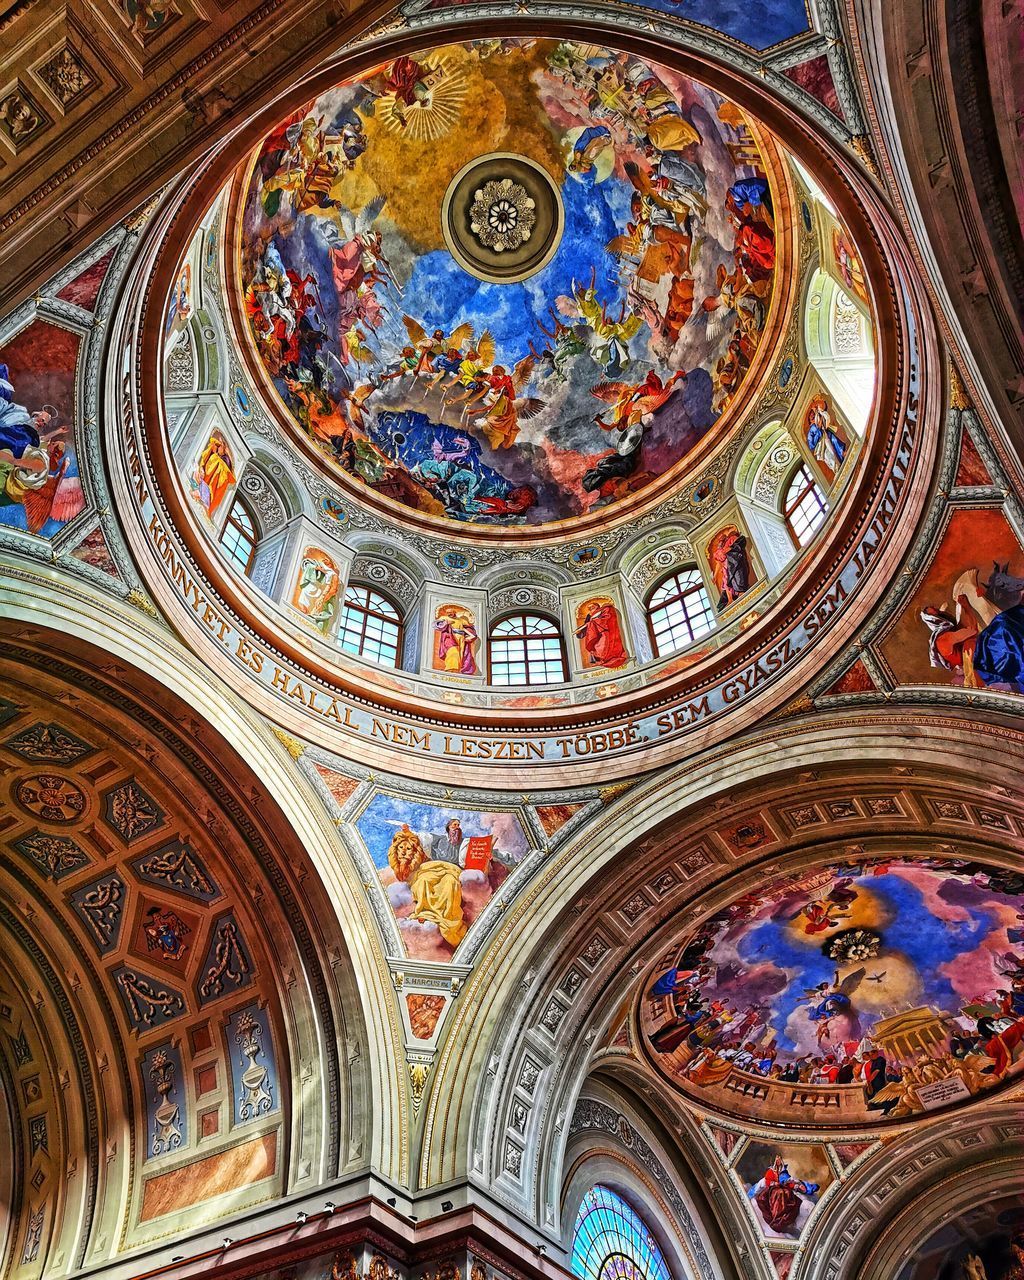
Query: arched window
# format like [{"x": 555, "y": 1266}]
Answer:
[
  {"x": 239, "y": 536},
  {"x": 805, "y": 506},
  {"x": 526, "y": 649},
  {"x": 679, "y": 612},
  {"x": 371, "y": 626},
  {"x": 612, "y": 1242}
]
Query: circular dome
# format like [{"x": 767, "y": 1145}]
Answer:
[
  {"x": 676, "y": 601},
  {"x": 509, "y": 282},
  {"x": 844, "y": 995}
]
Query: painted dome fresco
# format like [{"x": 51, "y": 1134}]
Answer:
[
  {"x": 509, "y": 282},
  {"x": 519, "y": 375},
  {"x": 878, "y": 990}
]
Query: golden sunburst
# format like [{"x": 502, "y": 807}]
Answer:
[{"x": 435, "y": 109}]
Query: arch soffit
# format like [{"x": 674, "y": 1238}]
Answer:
[
  {"x": 902, "y": 1193},
  {"x": 617, "y": 1137},
  {"x": 572, "y": 947},
  {"x": 131, "y": 807},
  {"x": 139, "y": 657}
]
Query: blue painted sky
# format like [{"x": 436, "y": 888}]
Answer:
[
  {"x": 384, "y": 815},
  {"x": 914, "y": 932},
  {"x": 759, "y": 23},
  {"x": 445, "y": 296}
]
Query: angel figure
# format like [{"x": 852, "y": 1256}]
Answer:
[
  {"x": 607, "y": 339},
  {"x": 831, "y": 1003},
  {"x": 634, "y": 402},
  {"x": 564, "y": 343},
  {"x": 440, "y": 354},
  {"x": 60, "y": 497},
  {"x": 419, "y": 98},
  {"x": 504, "y": 405},
  {"x": 633, "y": 406},
  {"x": 354, "y": 346},
  {"x": 822, "y": 914},
  {"x": 357, "y": 252},
  {"x": 470, "y": 380}
]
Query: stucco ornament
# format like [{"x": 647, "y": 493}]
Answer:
[{"x": 502, "y": 215}]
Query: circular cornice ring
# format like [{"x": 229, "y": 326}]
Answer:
[{"x": 757, "y": 381}]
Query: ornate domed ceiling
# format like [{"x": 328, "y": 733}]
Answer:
[
  {"x": 510, "y": 281},
  {"x": 844, "y": 994},
  {"x": 519, "y": 325}
]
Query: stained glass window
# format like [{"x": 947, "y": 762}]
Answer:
[{"x": 612, "y": 1242}]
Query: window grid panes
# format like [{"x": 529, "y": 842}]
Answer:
[
  {"x": 612, "y": 1242},
  {"x": 527, "y": 649},
  {"x": 679, "y": 612},
  {"x": 805, "y": 506},
  {"x": 239, "y": 537},
  {"x": 371, "y": 626}
]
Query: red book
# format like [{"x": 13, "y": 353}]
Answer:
[{"x": 478, "y": 853}]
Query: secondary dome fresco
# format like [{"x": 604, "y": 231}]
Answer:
[
  {"x": 846, "y": 994},
  {"x": 509, "y": 282}
]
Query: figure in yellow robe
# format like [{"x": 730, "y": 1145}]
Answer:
[{"x": 436, "y": 886}]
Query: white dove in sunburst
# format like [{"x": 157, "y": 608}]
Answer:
[{"x": 421, "y": 99}]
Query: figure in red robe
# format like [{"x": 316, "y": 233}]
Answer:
[{"x": 601, "y": 636}]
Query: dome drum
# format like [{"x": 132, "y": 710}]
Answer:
[{"x": 754, "y": 639}]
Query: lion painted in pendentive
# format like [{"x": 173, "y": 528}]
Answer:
[
  {"x": 406, "y": 854},
  {"x": 436, "y": 887}
]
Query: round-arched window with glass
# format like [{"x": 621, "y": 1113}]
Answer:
[
  {"x": 679, "y": 612},
  {"x": 805, "y": 506},
  {"x": 239, "y": 536},
  {"x": 526, "y": 649},
  {"x": 371, "y": 626},
  {"x": 612, "y": 1242}
]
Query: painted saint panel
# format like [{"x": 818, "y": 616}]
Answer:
[
  {"x": 783, "y": 1183},
  {"x": 848, "y": 994},
  {"x": 456, "y": 640},
  {"x": 599, "y": 634},
  {"x": 729, "y": 562},
  {"x": 509, "y": 281},
  {"x": 40, "y": 489},
  {"x": 964, "y": 625},
  {"x": 316, "y": 588},
  {"x": 214, "y": 474},
  {"x": 179, "y": 306},
  {"x": 826, "y": 437},
  {"x": 439, "y": 866},
  {"x": 848, "y": 265}
]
